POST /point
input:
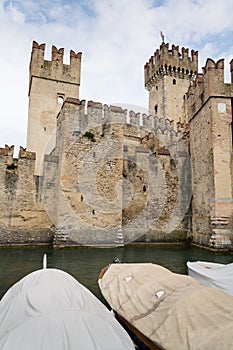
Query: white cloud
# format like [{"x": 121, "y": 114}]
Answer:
[
  {"x": 116, "y": 39},
  {"x": 16, "y": 15}
]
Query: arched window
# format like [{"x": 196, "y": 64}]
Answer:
[
  {"x": 60, "y": 99},
  {"x": 156, "y": 109},
  {"x": 174, "y": 81}
]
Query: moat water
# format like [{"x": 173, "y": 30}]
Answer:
[{"x": 85, "y": 263}]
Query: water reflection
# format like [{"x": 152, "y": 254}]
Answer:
[{"x": 85, "y": 263}]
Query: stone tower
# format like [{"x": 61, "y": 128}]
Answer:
[
  {"x": 50, "y": 82},
  {"x": 167, "y": 77},
  {"x": 210, "y": 109}
]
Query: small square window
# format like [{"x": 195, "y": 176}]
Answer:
[{"x": 221, "y": 107}]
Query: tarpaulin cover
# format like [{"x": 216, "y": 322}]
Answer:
[
  {"x": 212, "y": 274},
  {"x": 174, "y": 311},
  {"x": 50, "y": 310}
]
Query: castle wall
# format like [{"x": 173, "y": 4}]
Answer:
[
  {"x": 201, "y": 150},
  {"x": 23, "y": 219},
  {"x": 108, "y": 182}
]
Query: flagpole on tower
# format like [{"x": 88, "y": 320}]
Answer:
[{"x": 162, "y": 36}]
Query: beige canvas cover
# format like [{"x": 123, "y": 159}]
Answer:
[{"x": 174, "y": 311}]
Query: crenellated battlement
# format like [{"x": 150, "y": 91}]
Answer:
[
  {"x": 90, "y": 114},
  {"x": 7, "y": 150},
  {"x": 55, "y": 69},
  {"x": 12, "y": 165},
  {"x": 167, "y": 61},
  {"x": 23, "y": 153},
  {"x": 208, "y": 83}
]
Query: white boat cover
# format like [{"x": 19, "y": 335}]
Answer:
[
  {"x": 174, "y": 311},
  {"x": 50, "y": 310},
  {"x": 212, "y": 274}
]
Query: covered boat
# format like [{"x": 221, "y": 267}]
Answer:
[
  {"x": 167, "y": 310},
  {"x": 50, "y": 310},
  {"x": 212, "y": 274}
]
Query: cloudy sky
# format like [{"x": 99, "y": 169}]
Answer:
[{"x": 116, "y": 38}]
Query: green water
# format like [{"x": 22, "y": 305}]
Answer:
[{"x": 85, "y": 263}]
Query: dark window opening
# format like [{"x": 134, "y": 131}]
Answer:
[
  {"x": 193, "y": 108},
  {"x": 156, "y": 109},
  {"x": 174, "y": 81},
  {"x": 144, "y": 188},
  {"x": 93, "y": 212},
  {"x": 202, "y": 97},
  {"x": 81, "y": 198},
  {"x": 172, "y": 164},
  {"x": 156, "y": 87}
]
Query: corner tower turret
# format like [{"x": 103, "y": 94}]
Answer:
[
  {"x": 167, "y": 77},
  {"x": 50, "y": 82}
]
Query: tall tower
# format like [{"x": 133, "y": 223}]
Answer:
[
  {"x": 50, "y": 82},
  {"x": 167, "y": 77},
  {"x": 210, "y": 110}
]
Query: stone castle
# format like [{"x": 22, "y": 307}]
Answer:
[{"x": 93, "y": 174}]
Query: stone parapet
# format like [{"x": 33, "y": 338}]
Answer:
[
  {"x": 170, "y": 62},
  {"x": 55, "y": 69}
]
